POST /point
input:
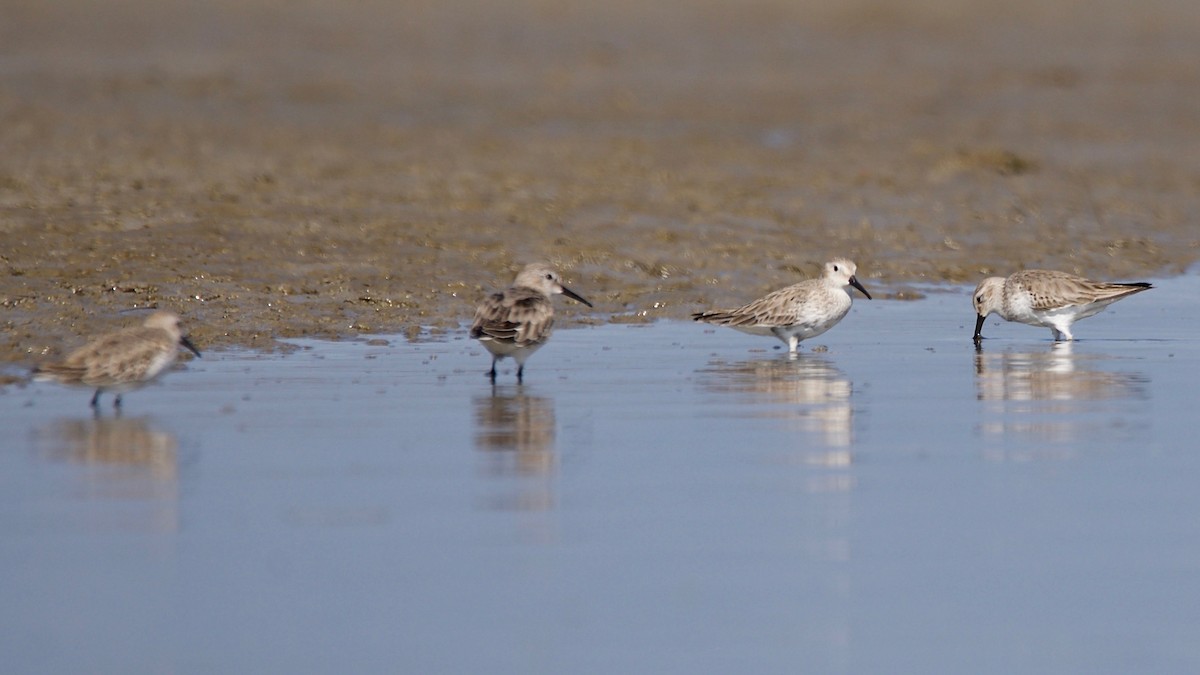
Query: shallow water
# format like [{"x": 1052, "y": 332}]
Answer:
[{"x": 657, "y": 498}]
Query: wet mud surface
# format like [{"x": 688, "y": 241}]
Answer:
[{"x": 278, "y": 169}]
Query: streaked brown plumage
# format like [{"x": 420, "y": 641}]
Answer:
[
  {"x": 517, "y": 321},
  {"x": 121, "y": 361}
]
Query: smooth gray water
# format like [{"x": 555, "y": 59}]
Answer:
[{"x": 666, "y": 498}]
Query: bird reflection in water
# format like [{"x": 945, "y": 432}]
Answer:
[
  {"x": 807, "y": 391},
  {"x": 1053, "y": 395},
  {"x": 516, "y": 431},
  {"x": 126, "y": 459},
  {"x": 807, "y": 395}
]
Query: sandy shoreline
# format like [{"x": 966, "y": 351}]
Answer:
[{"x": 274, "y": 169}]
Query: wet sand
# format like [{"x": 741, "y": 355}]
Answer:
[{"x": 278, "y": 169}]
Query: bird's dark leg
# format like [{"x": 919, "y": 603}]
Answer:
[
  {"x": 520, "y": 374},
  {"x": 492, "y": 373},
  {"x": 117, "y": 402},
  {"x": 96, "y": 399}
]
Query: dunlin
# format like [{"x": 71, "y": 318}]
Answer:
[
  {"x": 797, "y": 312},
  {"x": 1047, "y": 298},
  {"x": 122, "y": 361},
  {"x": 517, "y": 321}
]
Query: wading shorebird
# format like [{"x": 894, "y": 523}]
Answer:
[
  {"x": 1047, "y": 298},
  {"x": 123, "y": 361},
  {"x": 797, "y": 312},
  {"x": 517, "y": 321}
]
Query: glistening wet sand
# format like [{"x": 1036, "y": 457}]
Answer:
[{"x": 279, "y": 169}]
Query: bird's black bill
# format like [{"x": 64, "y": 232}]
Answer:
[
  {"x": 854, "y": 283},
  {"x": 979, "y": 327},
  {"x": 575, "y": 296},
  {"x": 191, "y": 347}
]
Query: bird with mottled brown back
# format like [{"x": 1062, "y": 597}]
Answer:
[
  {"x": 122, "y": 361},
  {"x": 517, "y": 321}
]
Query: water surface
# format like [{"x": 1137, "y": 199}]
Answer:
[{"x": 656, "y": 498}]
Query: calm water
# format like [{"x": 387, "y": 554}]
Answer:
[{"x": 666, "y": 498}]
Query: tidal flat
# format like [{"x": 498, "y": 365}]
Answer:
[
  {"x": 324, "y": 191},
  {"x": 274, "y": 169}
]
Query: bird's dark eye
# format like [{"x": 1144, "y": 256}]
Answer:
[
  {"x": 550, "y": 276},
  {"x": 978, "y": 298},
  {"x": 835, "y": 268}
]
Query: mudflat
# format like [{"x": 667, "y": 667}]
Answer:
[{"x": 279, "y": 169}]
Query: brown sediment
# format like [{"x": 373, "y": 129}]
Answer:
[{"x": 276, "y": 169}]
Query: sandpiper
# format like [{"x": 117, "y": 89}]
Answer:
[
  {"x": 123, "y": 361},
  {"x": 798, "y": 312},
  {"x": 1046, "y": 298},
  {"x": 517, "y": 321}
]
